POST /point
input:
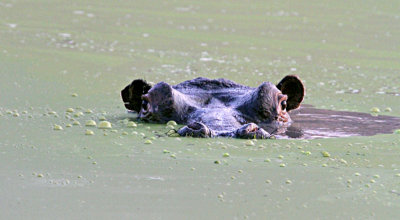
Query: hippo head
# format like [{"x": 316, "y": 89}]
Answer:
[{"x": 217, "y": 107}]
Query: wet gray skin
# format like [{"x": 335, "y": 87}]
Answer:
[{"x": 220, "y": 107}]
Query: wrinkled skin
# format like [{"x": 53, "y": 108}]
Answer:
[{"x": 211, "y": 108}]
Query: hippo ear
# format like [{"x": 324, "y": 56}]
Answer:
[
  {"x": 292, "y": 86},
  {"x": 132, "y": 94}
]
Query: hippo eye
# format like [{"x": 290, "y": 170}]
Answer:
[{"x": 284, "y": 104}]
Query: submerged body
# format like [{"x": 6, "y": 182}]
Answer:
[{"x": 218, "y": 107}]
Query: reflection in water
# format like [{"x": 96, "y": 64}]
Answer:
[{"x": 310, "y": 123}]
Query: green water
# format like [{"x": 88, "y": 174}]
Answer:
[{"x": 345, "y": 51}]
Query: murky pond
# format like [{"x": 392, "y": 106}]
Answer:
[
  {"x": 63, "y": 64},
  {"x": 310, "y": 123}
]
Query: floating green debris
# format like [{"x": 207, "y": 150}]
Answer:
[
  {"x": 397, "y": 131},
  {"x": 217, "y": 162},
  {"x": 306, "y": 153},
  {"x": 76, "y": 123},
  {"x": 90, "y": 123},
  {"x": 357, "y": 174},
  {"x": 325, "y": 154},
  {"x": 397, "y": 175},
  {"x": 226, "y": 155},
  {"x": 16, "y": 114},
  {"x": 249, "y": 160},
  {"x": 148, "y": 142},
  {"x": 376, "y": 176},
  {"x": 57, "y": 127},
  {"x": 324, "y": 165},
  {"x": 282, "y": 165},
  {"x": 102, "y": 118},
  {"x": 70, "y": 110},
  {"x": 280, "y": 157},
  {"x": 268, "y": 181},
  {"x": 40, "y": 175},
  {"x": 372, "y": 181},
  {"x": 166, "y": 151},
  {"x": 78, "y": 114},
  {"x": 105, "y": 125},
  {"x": 68, "y": 125},
  {"x": 172, "y": 123},
  {"x": 79, "y": 177},
  {"x": 375, "y": 110},
  {"x": 88, "y": 111},
  {"x": 170, "y": 127},
  {"x": 288, "y": 182},
  {"x": 89, "y": 132},
  {"x": 173, "y": 156},
  {"x": 267, "y": 160},
  {"x": 249, "y": 143},
  {"x": 131, "y": 124},
  {"x": 388, "y": 109},
  {"x": 172, "y": 133},
  {"x": 124, "y": 133},
  {"x": 74, "y": 94}
]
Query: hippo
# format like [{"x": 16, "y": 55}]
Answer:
[{"x": 217, "y": 107}]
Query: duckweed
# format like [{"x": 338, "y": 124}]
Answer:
[
  {"x": 78, "y": 114},
  {"x": 170, "y": 127},
  {"x": 268, "y": 181},
  {"x": 90, "y": 123},
  {"x": 172, "y": 133},
  {"x": 307, "y": 153},
  {"x": 105, "y": 125},
  {"x": 388, "y": 109},
  {"x": 249, "y": 143},
  {"x": 217, "y": 162},
  {"x": 74, "y": 94},
  {"x": 267, "y": 160},
  {"x": 70, "y": 110},
  {"x": 40, "y": 175},
  {"x": 172, "y": 123},
  {"x": 131, "y": 124},
  {"x": 282, "y": 165},
  {"x": 76, "y": 123},
  {"x": 148, "y": 142},
  {"x": 375, "y": 110},
  {"x": 89, "y": 132},
  {"x": 288, "y": 182},
  {"x": 325, "y": 154},
  {"x": 57, "y": 127},
  {"x": 16, "y": 114},
  {"x": 68, "y": 125},
  {"x": 166, "y": 151},
  {"x": 124, "y": 133},
  {"x": 226, "y": 155},
  {"x": 102, "y": 118},
  {"x": 88, "y": 111},
  {"x": 173, "y": 156}
]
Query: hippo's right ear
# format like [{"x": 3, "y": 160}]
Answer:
[
  {"x": 292, "y": 86},
  {"x": 132, "y": 94}
]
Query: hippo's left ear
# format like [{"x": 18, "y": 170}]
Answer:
[
  {"x": 132, "y": 94},
  {"x": 292, "y": 86}
]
